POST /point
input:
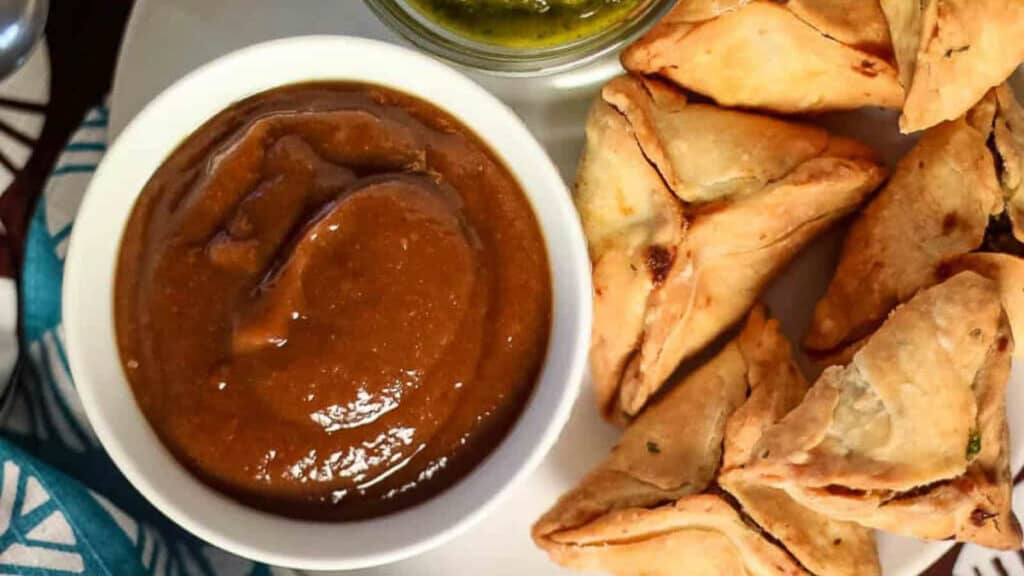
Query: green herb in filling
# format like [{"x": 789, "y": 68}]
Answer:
[{"x": 973, "y": 445}]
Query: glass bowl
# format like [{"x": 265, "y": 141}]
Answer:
[{"x": 434, "y": 38}]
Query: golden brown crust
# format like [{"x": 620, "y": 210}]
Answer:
[
  {"x": 857, "y": 23},
  {"x": 1007, "y": 271},
  {"x": 677, "y": 442},
  {"x": 975, "y": 507},
  {"x": 618, "y": 517},
  {"x": 611, "y": 521},
  {"x": 821, "y": 544},
  {"x": 873, "y": 425},
  {"x": 775, "y": 186},
  {"x": 936, "y": 206},
  {"x": 963, "y": 49},
  {"x": 904, "y": 20},
  {"x": 1009, "y": 142},
  {"x": 628, "y": 214},
  {"x": 672, "y": 449},
  {"x": 921, "y": 405},
  {"x": 698, "y": 535},
  {"x": 775, "y": 385},
  {"x": 730, "y": 253},
  {"x": 754, "y": 55},
  {"x": 705, "y": 153}
]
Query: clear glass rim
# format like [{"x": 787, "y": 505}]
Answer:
[{"x": 441, "y": 42}]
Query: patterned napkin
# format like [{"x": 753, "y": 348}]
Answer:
[{"x": 64, "y": 507}]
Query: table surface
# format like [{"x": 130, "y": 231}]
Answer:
[
  {"x": 554, "y": 108},
  {"x": 153, "y": 57}
]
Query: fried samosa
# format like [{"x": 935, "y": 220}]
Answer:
[
  {"x": 798, "y": 56},
  {"x": 701, "y": 535},
  {"x": 689, "y": 211},
  {"x": 1007, "y": 271},
  {"x": 652, "y": 507},
  {"x": 1008, "y": 132},
  {"x": 855, "y": 23},
  {"x": 911, "y": 436},
  {"x": 950, "y": 53},
  {"x": 776, "y": 386},
  {"x": 632, "y": 223},
  {"x": 937, "y": 206},
  {"x": 672, "y": 450}
]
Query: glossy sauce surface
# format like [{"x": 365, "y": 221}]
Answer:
[{"x": 332, "y": 301}]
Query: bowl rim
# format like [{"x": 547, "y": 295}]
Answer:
[
  {"x": 432, "y": 37},
  {"x": 94, "y": 359}
]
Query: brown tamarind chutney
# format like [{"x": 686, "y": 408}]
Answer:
[{"x": 332, "y": 301}]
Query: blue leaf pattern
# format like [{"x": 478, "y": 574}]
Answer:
[{"x": 64, "y": 507}]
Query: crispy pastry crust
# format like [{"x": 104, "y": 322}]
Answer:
[
  {"x": 1009, "y": 141},
  {"x": 856, "y": 23},
  {"x": 632, "y": 223},
  {"x": 698, "y": 535},
  {"x": 821, "y": 544},
  {"x": 667, "y": 284},
  {"x": 1008, "y": 273},
  {"x": 936, "y": 207},
  {"x": 621, "y": 517},
  {"x": 951, "y": 52},
  {"x": 911, "y": 437},
  {"x": 763, "y": 55}
]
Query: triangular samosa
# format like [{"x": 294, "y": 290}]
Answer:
[
  {"x": 652, "y": 508},
  {"x": 911, "y": 436},
  {"x": 771, "y": 55},
  {"x": 951, "y": 52},
  {"x": 687, "y": 224},
  {"x": 939, "y": 204}
]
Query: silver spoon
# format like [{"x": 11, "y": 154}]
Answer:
[{"x": 21, "y": 26}]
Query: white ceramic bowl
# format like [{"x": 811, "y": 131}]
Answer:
[{"x": 88, "y": 305}]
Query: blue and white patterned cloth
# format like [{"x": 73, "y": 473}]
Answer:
[{"x": 64, "y": 507}]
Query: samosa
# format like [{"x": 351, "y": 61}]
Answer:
[
  {"x": 950, "y": 53},
  {"x": 789, "y": 57},
  {"x": 690, "y": 210},
  {"x": 955, "y": 192},
  {"x": 910, "y": 437},
  {"x": 653, "y": 507}
]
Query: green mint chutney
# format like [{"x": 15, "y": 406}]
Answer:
[{"x": 526, "y": 23}]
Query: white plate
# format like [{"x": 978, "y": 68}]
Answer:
[{"x": 157, "y": 50}]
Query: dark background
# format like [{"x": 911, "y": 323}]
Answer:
[{"x": 83, "y": 37}]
